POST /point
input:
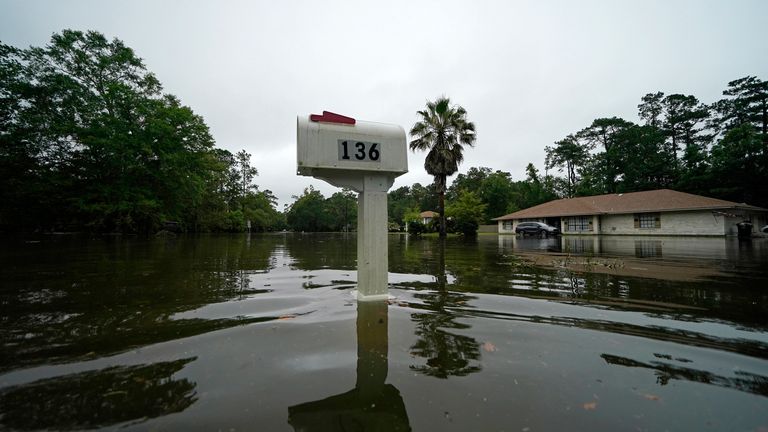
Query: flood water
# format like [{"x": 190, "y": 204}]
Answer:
[{"x": 263, "y": 332}]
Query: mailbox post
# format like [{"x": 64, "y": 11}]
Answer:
[{"x": 365, "y": 157}]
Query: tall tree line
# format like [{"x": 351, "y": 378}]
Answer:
[
  {"x": 88, "y": 141},
  {"x": 718, "y": 150},
  {"x": 312, "y": 212}
]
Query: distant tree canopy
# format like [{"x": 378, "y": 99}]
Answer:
[
  {"x": 499, "y": 193},
  {"x": 89, "y": 141},
  {"x": 718, "y": 150},
  {"x": 312, "y": 212}
]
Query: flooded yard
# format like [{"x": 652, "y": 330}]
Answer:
[{"x": 263, "y": 332}]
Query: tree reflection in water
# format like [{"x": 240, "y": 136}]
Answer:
[
  {"x": 83, "y": 298},
  {"x": 99, "y": 398},
  {"x": 446, "y": 353},
  {"x": 372, "y": 405},
  {"x": 745, "y": 381}
]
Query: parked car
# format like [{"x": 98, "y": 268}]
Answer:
[
  {"x": 537, "y": 228},
  {"x": 764, "y": 229}
]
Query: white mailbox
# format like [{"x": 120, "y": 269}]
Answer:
[
  {"x": 331, "y": 142},
  {"x": 365, "y": 157}
]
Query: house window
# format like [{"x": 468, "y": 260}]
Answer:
[
  {"x": 579, "y": 223},
  {"x": 647, "y": 220},
  {"x": 507, "y": 225}
]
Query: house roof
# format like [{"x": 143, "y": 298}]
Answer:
[
  {"x": 429, "y": 214},
  {"x": 661, "y": 200}
]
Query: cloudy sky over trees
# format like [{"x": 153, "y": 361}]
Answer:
[{"x": 528, "y": 73}]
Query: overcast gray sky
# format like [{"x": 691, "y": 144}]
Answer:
[{"x": 527, "y": 72}]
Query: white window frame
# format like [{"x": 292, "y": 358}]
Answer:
[
  {"x": 648, "y": 220},
  {"x": 578, "y": 223}
]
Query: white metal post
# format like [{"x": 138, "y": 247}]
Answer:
[{"x": 372, "y": 240}]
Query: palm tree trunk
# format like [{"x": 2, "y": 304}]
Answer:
[{"x": 442, "y": 214}]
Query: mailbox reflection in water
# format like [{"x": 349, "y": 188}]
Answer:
[{"x": 372, "y": 405}]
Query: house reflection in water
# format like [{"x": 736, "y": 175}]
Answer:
[
  {"x": 718, "y": 248},
  {"x": 648, "y": 248},
  {"x": 372, "y": 404}
]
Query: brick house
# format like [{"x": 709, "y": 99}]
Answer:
[
  {"x": 656, "y": 212},
  {"x": 427, "y": 216}
]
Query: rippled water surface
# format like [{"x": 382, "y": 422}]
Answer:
[{"x": 263, "y": 332}]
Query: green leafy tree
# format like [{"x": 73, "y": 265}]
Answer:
[
  {"x": 442, "y": 130},
  {"x": 740, "y": 165},
  {"x": 259, "y": 208},
  {"x": 97, "y": 103},
  {"x": 498, "y": 193},
  {"x": 569, "y": 155},
  {"x": 686, "y": 120},
  {"x": 100, "y": 146},
  {"x": 651, "y": 109},
  {"x": 467, "y": 213},
  {"x": 245, "y": 172},
  {"x": 472, "y": 181},
  {"x": 738, "y": 169},
  {"x": 308, "y": 212},
  {"x": 717, "y": 150},
  {"x": 399, "y": 202},
  {"x": 412, "y": 220},
  {"x": 312, "y": 212},
  {"x": 534, "y": 190},
  {"x": 748, "y": 104},
  {"x": 405, "y": 198},
  {"x": 342, "y": 208},
  {"x": 426, "y": 196},
  {"x": 495, "y": 194},
  {"x": 22, "y": 185},
  {"x": 593, "y": 178},
  {"x": 243, "y": 194},
  {"x": 684, "y": 115},
  {"x": 652, "y": 170},
  {"x": 602, "y": 133}
]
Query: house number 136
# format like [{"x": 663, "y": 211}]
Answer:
[{"x": 359, "y": 151}]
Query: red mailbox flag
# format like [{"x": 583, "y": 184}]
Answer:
[{"x": 329, "y": 117}]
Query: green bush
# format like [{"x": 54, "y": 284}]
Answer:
[
  {"x": 465, "y": 214},
  {"x": 416, "y": 228}
]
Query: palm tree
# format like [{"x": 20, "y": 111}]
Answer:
[{"x": 443, "y": 129}]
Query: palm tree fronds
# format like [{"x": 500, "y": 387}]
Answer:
[{"x": 442, "y": 131}]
